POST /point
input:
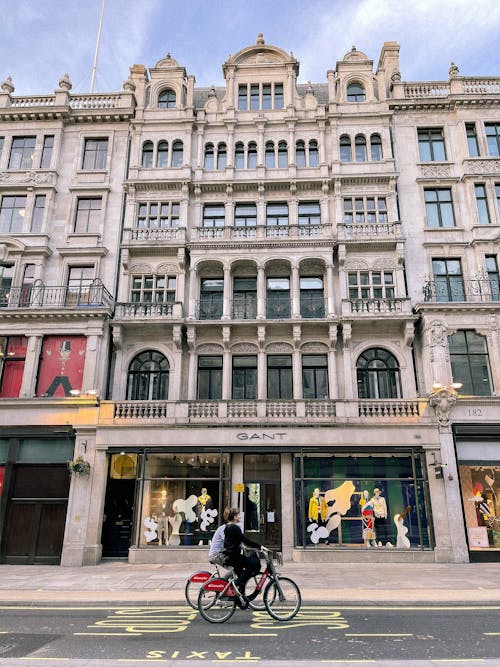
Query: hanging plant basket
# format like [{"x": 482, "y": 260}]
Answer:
[{"x": 79, "y": 466}]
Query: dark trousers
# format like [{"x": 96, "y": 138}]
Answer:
[
  {"x": 382, "y": 529},
  {"x": 245, "y": 567}
]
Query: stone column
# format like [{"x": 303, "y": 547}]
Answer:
[
  {"x": 261, "y": 376},
  {"x": 436, "y": 353},
  {"x": 227, "y": 297},
  {"x": 28, "y": 385},
  {"x": 297, "y": 374},
  {"x": 261, "y": 293},
  {"x": 193, "y": 293},
  {"x": 295, "y": 292},
  {"x": 287, "y": 497},
  {"x": 226, "y": 374},
  {"x": 348, "y": 373},
  {"x": 330, "y": 294}
]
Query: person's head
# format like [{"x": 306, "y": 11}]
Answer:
[
  {"x": 230, "y": 514},
  {"x": 316, "y": 493},
  {"x": 376, "y": 492}
]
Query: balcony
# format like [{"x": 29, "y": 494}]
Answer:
[
  {"x": 264, "y": 412},
  {"x": 383, "y": 307},
  {"x": 46, "y": 297},
  {"x": 245, "y": 308},
  {"x": 369, "y": 231},
  {"x": 154, "y": 235},
  {"x": 479, "y": 290},
  {"x": 139, "y": 310},
  {"x": 312, "y": 306},
  {"x": 261, "y": 232}
]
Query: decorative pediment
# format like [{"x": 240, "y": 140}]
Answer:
[
  {"x": 261, "y": 53},
  {"x": 355, "y": 55},
  {"x": 167, "y": 63}
]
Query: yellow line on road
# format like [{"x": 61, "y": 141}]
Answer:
[
  {"x": 494, "y": 634},
  {"x": 378, "y": 634},
  {"x": 467, "y": 660},
  {"x": 109, "y": 634}
]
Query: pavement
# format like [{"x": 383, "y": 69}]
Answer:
[{"x": 119, "y": 582}]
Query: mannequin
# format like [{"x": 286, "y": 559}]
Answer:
[
  {"x": 317, "y": 508},
  {"x": 381, "y": 525},
  {"x": 367, "y": 516},
  {"x": 204, "y": 502}
]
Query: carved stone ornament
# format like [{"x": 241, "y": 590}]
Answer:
[
  {"x": 244, "y": 348},
  {"x": 65, "y": 82},
  {"x": 209, "y": 348},
  {"x": 396, "y": 77},
  {"x": 314, "y": 348},
  {"x": 279, "y": 348},
  {"x": 453, "y": 71},
  {"x": 31, "y": 177},
  {"x": 8, "y": 86},
  {"x": 435, "y": 170},
  {"x": 438, "y": 333},
  {"x": 129, "y": 85},
  {"x": 483, "y": 166},
  {"x": 442, "y": 400}
]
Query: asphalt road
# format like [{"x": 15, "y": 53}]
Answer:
[{"x": 318, "y": 634}]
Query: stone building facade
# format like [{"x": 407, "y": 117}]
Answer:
[{"x": 270, "y": 294}]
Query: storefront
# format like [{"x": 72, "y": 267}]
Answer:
[{"x": 478, "y": 456}]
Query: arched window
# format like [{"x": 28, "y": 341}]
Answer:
[
  {"x": 252, "y": 155},
  {"x": 166, "y": 99},
  {"x": 360, "y": 148},
  {"x": 239, "y": 155},
  {"x": 313, "y": 153},
  {"x": 162, "y": 155},
  {"x": 378, "y": 374},
  {"x": 177, "y": 154},
  {"x": 270, "y": 157},
  {"x": 300, "y": 154},
  {"x": 345, "y": 148},
  {"x": 355, "y": 92},
  {"x": 148, "y": 377},
  {"x": 282, "y": 154},
  {"x": 221, "y": 156},
  {"x": 209, "y": 156},
  {"x": 147, "y": 154},
  {"x": 376, "y": 147}
]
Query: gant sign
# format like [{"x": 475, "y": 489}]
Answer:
[{"x": 261, "y": 436}]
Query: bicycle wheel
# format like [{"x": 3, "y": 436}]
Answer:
[
  {"x": 215, "y": 607},
  {"x": 257, "y": 604},
  {"x": 193, "y": 585},
  {"x": 282, "y": 599}
]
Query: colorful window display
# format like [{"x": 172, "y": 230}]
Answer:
[
  {"x": 481, "y": 499},
  {"x": 183, "y": 496},
  {"x": 361, "y": 500},
  {"x": 61, "y": 365}
]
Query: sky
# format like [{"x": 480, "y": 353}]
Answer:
[{"x": 40, "y": 40}]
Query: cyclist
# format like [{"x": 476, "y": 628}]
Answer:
[
  {"x": 245, "y": 567},
  {"x": 217, "y": 543}
]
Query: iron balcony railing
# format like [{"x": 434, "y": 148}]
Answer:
[
  {"x": 453, "y": 289},
  {"x": 40, "y": 295}
]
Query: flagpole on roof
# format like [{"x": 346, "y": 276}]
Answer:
[{"x": 94, "y": 67}]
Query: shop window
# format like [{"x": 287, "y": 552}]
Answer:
[
  {"x": 378, "y": 374},
  {"x": 182, "y": 498},
  {"x": 210, "y": 377},
  {"x": 480, "y": 484},
  {"x": 315, "y": 376},
  {"x": 279, "y": 376},
  {"x": 244, "y": 377},
  {"x": 312, "y": 297},
  {"x": 148, "y": 377},
  {"x": 361, "y": 500},
  {"x": 12, "y": 357},
  {"x": 469, "y": 363},
  {"x": 62, "y": 361}
]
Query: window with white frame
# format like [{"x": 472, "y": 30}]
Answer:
[
  {"x": 153, "y": 288},
  {"x": 153, "y": 215},
  {"x": 360, "y": 210},
  {"x": 255, "y": 96},
  {"x": 371, "y": 285}
]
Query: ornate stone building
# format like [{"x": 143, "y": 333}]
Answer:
[{"x": 271, "y": 294}]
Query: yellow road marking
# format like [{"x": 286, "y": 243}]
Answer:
[
  {"x": 350, "y": 662},
  {"x": 110, "y": 634},
  {"x": 494, "y": 634}
]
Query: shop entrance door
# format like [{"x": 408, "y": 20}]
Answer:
[
  {"x": 118, "y": 514},
  {"x": 262, "y": 498}
]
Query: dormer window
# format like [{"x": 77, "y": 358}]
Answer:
[
  {"x": 355, "y": 92},
  {"x": 166, "y": 99}
]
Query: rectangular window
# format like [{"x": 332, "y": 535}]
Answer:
[
  {"x": 279, "y": 376},
  {"x": 365, "y": 209},
  {"x": 61, "y": 365},
  {"x": 267, "y": 97},
  {"x": 6, "y": 275},
  {"x": 279, "y": 100},
  {"x": 483, "y": 212},
  {"x": 245, "y": 215},
  {"x": 153, "y": 289},
  {"x": 211, "y": 298},
  {"x": 371, "y": 285},
  {"x": 254, "y": 97},
  {"x": 214, "y": 215},
  {"x": 88, "y": 215},
  {"x": 312, "y": 298},
  {"x": 37, "y": 217},
  {"x": 245, "y": 298},
  {"x": 48, "y": 145},
  {"x": 12, "y": 358},
  {"x": 449, "y": 280},
  {"x": 95, "y": 154},
  {"x": 278, "y": 298},
  {"x": 309, "y": 213},
  {"x": 244, "y": 377},
  {"x": 493, "y": 276},
  {"x": 493, "y": 138},
  {"x": 22, "y": 152},
  {"x": 2, "y": 140},
  {"x": 153, "y": 215},
  {"x": 210, "y": 378},
  {"x": 431, "y": 144},
  {"x": 277, "y": 215},
  {"x": 27, "y": 285},
  {"x": 315, "y": 376},
  {"x": 497, "y": 194},
  {"x": 439, "y": 207},
  {"x": 469, "y": 362},
  {"x": 12, "y": 213},
  {"x": 472, "y": 142},
  {"x": 243, "y": 97}
]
